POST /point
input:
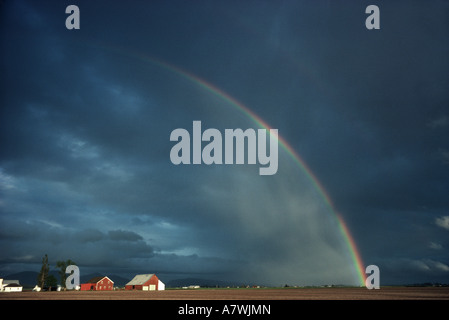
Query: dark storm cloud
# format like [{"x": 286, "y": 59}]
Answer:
[{"x": 86, "y": 117}]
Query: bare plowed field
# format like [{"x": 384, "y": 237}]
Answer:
[{"x": 387, "y": 293}]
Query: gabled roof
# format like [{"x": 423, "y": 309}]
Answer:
[
  {"x": 13, "y": 285},
  {"x": 140, "y": 279},
  {"x": 98, "y": 279}
]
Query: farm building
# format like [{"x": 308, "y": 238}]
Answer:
[
  {"x": 145, "y": 282},
  {"x": 10, "y": 286},
  {"x": 98, "y": 284}
]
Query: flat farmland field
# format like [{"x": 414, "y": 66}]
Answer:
[{"x": 384, "y": 293}]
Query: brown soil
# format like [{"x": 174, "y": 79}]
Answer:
[{"x": 386, "y": 293}]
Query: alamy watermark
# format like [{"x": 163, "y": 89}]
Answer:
[
  {"x": 234, "y": 140},
  {"x": 373, "y": 280},
  {"x": 73, "y": 280},
  {"x": 73, "y": 20},
  {"x": 371, "y": 22}
]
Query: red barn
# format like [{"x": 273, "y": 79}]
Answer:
[
  {"x": 98, "y": 284},
  {"x": 145, "y": 282}
]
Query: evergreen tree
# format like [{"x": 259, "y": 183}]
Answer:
[{"x": 43, "y": 274}]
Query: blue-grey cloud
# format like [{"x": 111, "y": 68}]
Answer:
[{"x": 86, "y": 117}]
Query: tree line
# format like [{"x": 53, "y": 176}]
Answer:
[{"x": 44, "y": 279}]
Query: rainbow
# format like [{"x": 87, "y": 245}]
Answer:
[{"x": 344, "y": 230}]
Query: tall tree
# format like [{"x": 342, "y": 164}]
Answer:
[
  {"x": 43, "y": 274},
  {"x": 62, "y": 265}
]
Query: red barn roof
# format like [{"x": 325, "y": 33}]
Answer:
[{"x": 98, "y": 279}]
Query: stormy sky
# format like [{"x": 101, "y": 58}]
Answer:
[{"x": 86, "y": 117}]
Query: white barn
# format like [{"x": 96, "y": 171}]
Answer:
[{"x": 10, "y": 286}]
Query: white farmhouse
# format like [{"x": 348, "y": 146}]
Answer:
[{"x": 10, "y": 286}]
